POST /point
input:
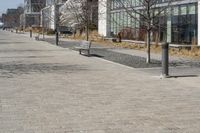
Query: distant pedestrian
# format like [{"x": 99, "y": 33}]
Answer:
[{"x": 119, "y": 35}]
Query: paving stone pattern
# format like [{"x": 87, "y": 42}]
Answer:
[{"x": 49, "y": 89}]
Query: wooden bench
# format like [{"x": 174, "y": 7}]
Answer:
[
  {"x": 179, "y": 47},
  {"x": 84, "y": 46},
  {"x": 37, "y": 37}
]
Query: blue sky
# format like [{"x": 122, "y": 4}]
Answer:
[{"x": 5, "y": 4}]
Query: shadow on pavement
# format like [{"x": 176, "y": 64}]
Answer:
[
  {"x": 92, "y": 55},
  {"x": 27, "y": 57},
  {"x": 183, "y": 76},
  {"x": 96, "y": 55},
  {"x": 11, "y": 42}
]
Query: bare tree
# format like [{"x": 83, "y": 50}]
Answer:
[
  {"x": 81, "y": 12},
  {"x": 12, "y": 16},
  {"x": 51, "y": 15},
  {"x": 70, "y": 13},
  {"x": 147, "y": 13}
]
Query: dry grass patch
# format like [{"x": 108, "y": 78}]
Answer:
[{"x": 194, "y": 52}]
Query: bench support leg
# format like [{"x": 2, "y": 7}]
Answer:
[{"x": 79, "y": 51}]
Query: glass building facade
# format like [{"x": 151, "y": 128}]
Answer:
[
  {"x": 31, "y": 16},
  {"x": 178, "y": 24}
]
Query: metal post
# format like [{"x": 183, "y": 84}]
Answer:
[
  {"x": 87, "y": 21},
  {"x": 195, "y": 37},
  {"x": 165, "y": 60},
  {"x": 57, "y": 37},
  {"x": 31, "y": 33},
  {"x": 43, "y": 24},
  {"x": 56, "y": 21}
]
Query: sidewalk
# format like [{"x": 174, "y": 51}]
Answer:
[
  {"x": 140, "y": 53},
  {"x": 154, "y": 56},
  {"x": 49, "y": 89},
  {"x": 179, "y": 66}
]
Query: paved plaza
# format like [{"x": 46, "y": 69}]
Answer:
[{"x": 50, "y": 89}]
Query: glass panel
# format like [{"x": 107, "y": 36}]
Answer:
[
  {"x": 129, "y": 20},
  {"x": 121, "y": 20},
  {"x": 137, "y": 21},
  {"x": 133, "y": 20},
  {"x": 175, "y": 11},
  {"x": 125, "y": 19},
  {"x": 191, "y": 9},
  {"x": 183, "y": 10}
]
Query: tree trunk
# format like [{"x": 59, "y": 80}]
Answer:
[
  {"x": 57, "y": 37},
  {"x": 87, "y": 22},
  {"x": 56, "y": 21},
  {"x": 43, "y": 31},
  {"x": 87, "y": 32},
  {"x": 148, "y": 59}
]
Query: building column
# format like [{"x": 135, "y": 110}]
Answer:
[
  {"x": 198, "y": 32},
  {"x": 24, "y": 26},
  {"x": 169, "y": 29},
  {"x": 104, "y": 18},
  {"x": 108, "y": 18}
]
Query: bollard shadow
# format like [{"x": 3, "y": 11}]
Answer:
[
  {"x": 183, "y": 76},
  {"x": 96, "y": 55},
  {"x": 93, "y": 55},
  {"x": 11, "y": 42},
  {"x": 26, "y": 57},
  {"x": 155, "y": 62},
  {"x": 20, "y": 33}
]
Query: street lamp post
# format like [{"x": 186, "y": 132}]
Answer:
[
  {"x": 31, "y": 32},
  {"x": 165, "y": 60},
  {"x": 43, "y": 23},
  {"x": 87, "y": 20},
  {"x": 56, "y": 13}
]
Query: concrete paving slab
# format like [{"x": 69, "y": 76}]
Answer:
[{"x": 48, "y": 89}]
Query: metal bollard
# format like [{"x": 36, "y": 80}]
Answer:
[
  {"x": 165, "y": 60},
  {"x": 31, "y": 33},
  {"x": 57, "y": 38}
]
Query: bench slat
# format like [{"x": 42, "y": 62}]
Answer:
[{"x": 84, "y": 45}]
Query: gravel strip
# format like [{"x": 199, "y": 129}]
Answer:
[{"x": 121, "y": 58}]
